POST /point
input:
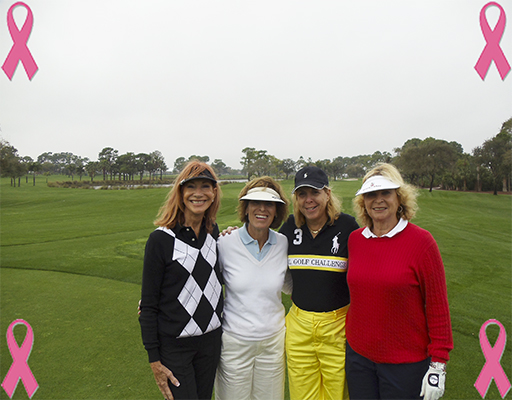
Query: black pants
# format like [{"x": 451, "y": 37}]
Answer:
[
  {"x": 369, "y": 380},
  {"x": 193, "y": 361}
]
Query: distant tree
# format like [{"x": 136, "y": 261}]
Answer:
[
  {"x": 326, "y": 166},
  {"x": 429, "y": 158},
  {"x": 379, "y": 157},
  {"x": 71, "y": 170},
  {"x": 46, "y": 162},
  {"x": 288, "y": 167},
  {"x": 10, "y": 162},
  {"x": 254, "y": 161},
  {"x": 219, "y": 166},
  {"x": 272, "y": 166},
  {"x": 204, "y": 159},
  {"x": 141, "y": 162},
  {"x": 158, "y": 162},
  {"x": 507, "y": 164},
  {"x": 494, "y": 155},
  {"x": 355, "y": 171},
  {"x": 465, "y": 171},
  {"x": 92, "y": 168},
  {"x": 357, "y": 166},
  {"x": 107, "y": 158},
  {"x": 300, "y": 163},
  {"x": 27, "y": 163},
  {"x": 80, "y": 164},
  {"x": 34, "y": 168},
  {"x": 407, "y": 161},
  {"x": 338, "y": 167},
  {"x": 127, "y": 165},
  {"x": 179, "y": 163}
]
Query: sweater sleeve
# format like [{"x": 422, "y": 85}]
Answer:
[
  {"x": 433, "y": 286},
  {"x": 152, "y": 278}
]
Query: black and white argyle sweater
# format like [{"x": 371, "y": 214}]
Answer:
[{"x": 181, "y": 286}]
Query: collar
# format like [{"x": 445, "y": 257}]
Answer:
[
  {"x": 247, "y": 239},
  {"x": 402, "y": 223}
]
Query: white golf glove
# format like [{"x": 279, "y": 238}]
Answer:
[{"x": 432, "y": 387}]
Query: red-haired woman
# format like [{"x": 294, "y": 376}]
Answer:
[{"x": 181, "y": 302}]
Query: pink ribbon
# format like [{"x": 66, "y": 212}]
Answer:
[
  {"x": 492, "y": 367},
  {"x": 19, "y": 50},
  {"x": 19, "y": 368},
  {"x": 492, "y": 49}
]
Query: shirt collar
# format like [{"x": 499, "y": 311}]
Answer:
[
  {"x": 402, "y": 223},
  {"x": 246, "y": 238}
]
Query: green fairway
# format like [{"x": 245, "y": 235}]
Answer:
[{"x": 71, "y": 265}]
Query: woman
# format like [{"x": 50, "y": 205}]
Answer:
[
  {"x": 317, "y": 235},
  {"x": 181, "y": 302},
  {"x": 253, "y": 263},
  {"x": 398, "y": 325}
]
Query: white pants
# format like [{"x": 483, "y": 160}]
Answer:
[{"x": 251, "y": 370}]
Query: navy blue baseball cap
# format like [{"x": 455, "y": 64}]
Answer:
[{"x": 311, "y": 177}]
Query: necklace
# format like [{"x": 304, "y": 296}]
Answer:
[{"x": 319, "y": 229}]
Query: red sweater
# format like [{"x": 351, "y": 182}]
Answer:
[{"x": 398, "y": 302}]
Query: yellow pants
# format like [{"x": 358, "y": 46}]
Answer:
[{"x": 315, "y": 350}]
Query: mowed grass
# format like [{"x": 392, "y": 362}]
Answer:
[{"x": 71, "y": 266}]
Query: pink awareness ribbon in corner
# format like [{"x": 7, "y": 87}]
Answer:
[
  {"x": 492, "y": 49},
  {"x": 19, "y": 368},
  {"x": 492, "y": 367},
  {"x": 19, "y": 50}
]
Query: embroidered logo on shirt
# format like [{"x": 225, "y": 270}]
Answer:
[{"x": 335, "y": 244}]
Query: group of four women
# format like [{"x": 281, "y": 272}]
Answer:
[{"x": 389, "y": 337}]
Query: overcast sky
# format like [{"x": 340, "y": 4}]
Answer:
[{"x": 316, "y": 79}]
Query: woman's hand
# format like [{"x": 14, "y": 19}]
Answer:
[
  {"x": 228, "y": 230},
  {"x": 432, "y": 386},
  {"x": 162, "y": 374}
]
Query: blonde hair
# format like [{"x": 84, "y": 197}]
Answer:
[
  {"x": 264, "y": 181},
  {"x": 333, "y": 208},
  {"x": 406, "y": 193},
  {"x": 172, "y": 211}
]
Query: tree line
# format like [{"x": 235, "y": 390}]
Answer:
[{"x": 425, "y": 163}]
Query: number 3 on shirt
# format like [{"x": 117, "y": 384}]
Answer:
[{"x": 298, "y": 237}]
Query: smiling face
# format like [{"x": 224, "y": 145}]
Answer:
[
  {"x": 198, "y": 195},
  {"x": 382, "y": 206},
  {"x": 312, "y": 203},
  {"x": 261, "y": 214}
]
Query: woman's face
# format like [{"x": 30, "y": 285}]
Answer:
[
  {"x": 382, "y": 206},
  {"x": 198, "y": 195},
  {"x": 261, "y": 214},
  {"x": 312, "y": 202}
]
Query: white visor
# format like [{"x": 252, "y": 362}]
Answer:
[
  {"x": 377, "y": 182},
  {"x": 263, "y": 194}
]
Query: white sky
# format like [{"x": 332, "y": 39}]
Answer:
[{"x": 316, "y": 79}]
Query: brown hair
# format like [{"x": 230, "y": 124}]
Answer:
[
  {"x": 264, "y": 181},
  {"x": 172, "y": 211}
]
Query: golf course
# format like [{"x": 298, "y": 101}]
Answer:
[{"x": 71, "y": 266}]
